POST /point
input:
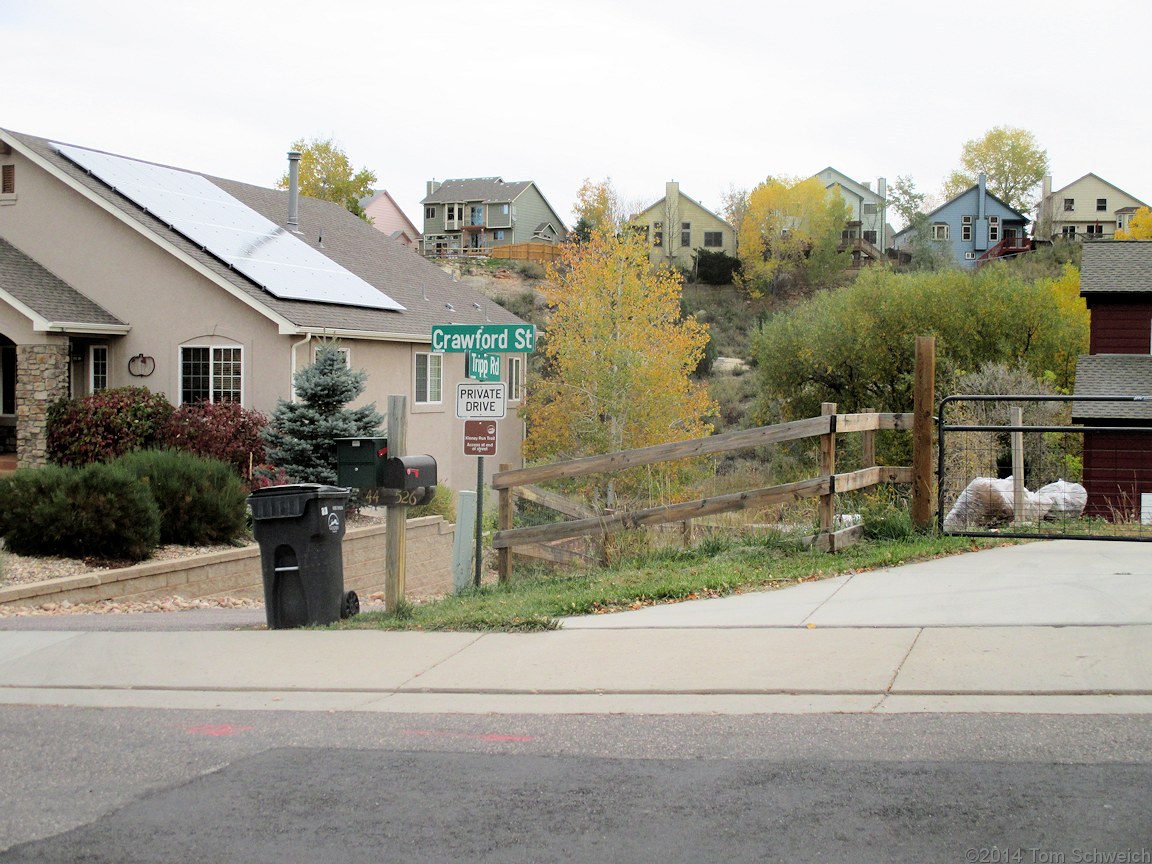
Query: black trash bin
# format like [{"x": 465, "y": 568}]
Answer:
[{"x": 300, "y": 527}]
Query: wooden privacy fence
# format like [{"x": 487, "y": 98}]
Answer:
[
  {"x": 532, "y": 540},
  {"x": 542, "y": 252}
]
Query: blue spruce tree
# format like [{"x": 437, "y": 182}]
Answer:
[{"x": 301, "y": 438}]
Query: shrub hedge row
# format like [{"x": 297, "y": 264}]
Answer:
[
  {"x": 121, "y": 509},
  {"x": 108, "y": 424}
]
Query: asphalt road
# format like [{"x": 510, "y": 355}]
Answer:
[{"x": 127, "y": 785}]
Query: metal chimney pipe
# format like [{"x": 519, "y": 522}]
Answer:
[{"x": 293, "y": 187}]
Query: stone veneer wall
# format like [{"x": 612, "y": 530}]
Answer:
[
  {"x": 41, "y": 379},
  {"x": 236, "y": 572}
]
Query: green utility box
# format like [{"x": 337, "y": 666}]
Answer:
[{"x": 361, "y": 463}]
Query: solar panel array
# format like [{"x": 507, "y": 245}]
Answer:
[{"x": 269, "y": 255}]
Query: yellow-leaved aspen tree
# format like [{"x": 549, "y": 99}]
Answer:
[{"x": 618, "y": 358}]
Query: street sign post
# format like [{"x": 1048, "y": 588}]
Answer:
[
  {"x": 490, "y": 338},
  {"x": 484, "y": 398}
]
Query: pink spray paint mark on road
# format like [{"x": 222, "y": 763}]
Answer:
[
  {"x": 218, "y": 730},
  {"x": 489, "y": 736}
]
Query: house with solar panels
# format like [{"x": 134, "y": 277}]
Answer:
[
  {"x": 471, "y": 217},
  {"x": 117, "y": 272}
]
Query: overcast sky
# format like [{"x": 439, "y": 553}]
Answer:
[{"x": 712, "y": 95}]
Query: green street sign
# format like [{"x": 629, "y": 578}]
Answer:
[
  {"x": 482, "y": 367},
  {"x": 501, "y": 338}
]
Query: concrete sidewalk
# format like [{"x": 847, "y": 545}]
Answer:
[{"x": 1058, "y": 626}]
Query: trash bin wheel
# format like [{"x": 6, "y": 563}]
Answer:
[{"x": 350, "y": 606}]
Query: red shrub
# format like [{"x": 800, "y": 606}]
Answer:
[
  {"x": 100, "y": 427},
  {"x": 223, "y": 430}
]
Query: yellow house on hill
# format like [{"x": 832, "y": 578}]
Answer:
[{"x": 676, "y": 226}]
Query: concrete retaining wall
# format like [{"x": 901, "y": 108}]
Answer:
[{"x": 236, "y": 572}]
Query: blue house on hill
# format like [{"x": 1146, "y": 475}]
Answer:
[{"x": 976, "y": 225}]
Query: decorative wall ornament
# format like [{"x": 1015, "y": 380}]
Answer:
[{"x": 142, "y": 365}]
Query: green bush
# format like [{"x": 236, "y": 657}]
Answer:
[
  {"x": 100, "y": 427},
  {"x": 716, "y": 268},
  {"x": 886, "y": 516},
  {"x": 443, "y": 504},
  {"x": 200, "y": 501},
  {"x": 98, "y": 511}
]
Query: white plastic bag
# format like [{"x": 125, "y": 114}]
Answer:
[
  {"x": 982, "y": 503},
  {"x": 988, "y": 501},
  {"x": 1065, "y": 500}
]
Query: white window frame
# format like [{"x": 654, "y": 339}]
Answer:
[
  {"x": 215, "y": 353},
  {"x": 993, "y": 229},
  {"x": 515, "y": 379},
  {"x": 432, "y": 361},
  {"x": 97, "y": 354},
  {"x": 453, "y": 216},
  {"x": 940, "y": 231}
]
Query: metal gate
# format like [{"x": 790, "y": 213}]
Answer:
[{"x": 1072, "y": 467}]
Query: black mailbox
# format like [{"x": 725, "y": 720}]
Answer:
[
  {"x": 360, "y": 462},
  {"x": 409, "y": 472}
]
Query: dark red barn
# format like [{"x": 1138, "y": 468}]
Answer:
[{"x": 1116, "y": 282}]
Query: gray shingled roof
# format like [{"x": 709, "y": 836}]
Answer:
[
  {"x": 420, "y": 286},
  {"x": 47, "y": 295},
  {"x": 489, "y": 190},
  {"x": 1114, "y": 375},
  {"x": 1116, "y": 266}
]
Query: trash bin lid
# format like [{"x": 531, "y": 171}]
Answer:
[
  {"x": 289, "y": 500},
  {"x": 306, "y": 490}
]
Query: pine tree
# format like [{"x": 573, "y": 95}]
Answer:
[{"x": 301, "y": 438}]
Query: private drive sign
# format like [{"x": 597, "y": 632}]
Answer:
[
  {"x": 476, "y": 401},
  {"x": 490, "y": 338}
]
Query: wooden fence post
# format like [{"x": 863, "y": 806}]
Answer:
[
  {"x": 505, "y": 514},
  {"x": 923, "y": 403},
  {"x": 868, "y": 444},
  {"x": 827, "y": 507},
  {"x": 397, "y": 514}
]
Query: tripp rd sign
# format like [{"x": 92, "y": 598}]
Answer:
[
  {"x": 491, "y": 338},
  {"x": 476, "y": 401},
  {"x": 482, "y": 367}
]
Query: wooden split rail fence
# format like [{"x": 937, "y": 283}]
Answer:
[{"x": 512, "y": 483}]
